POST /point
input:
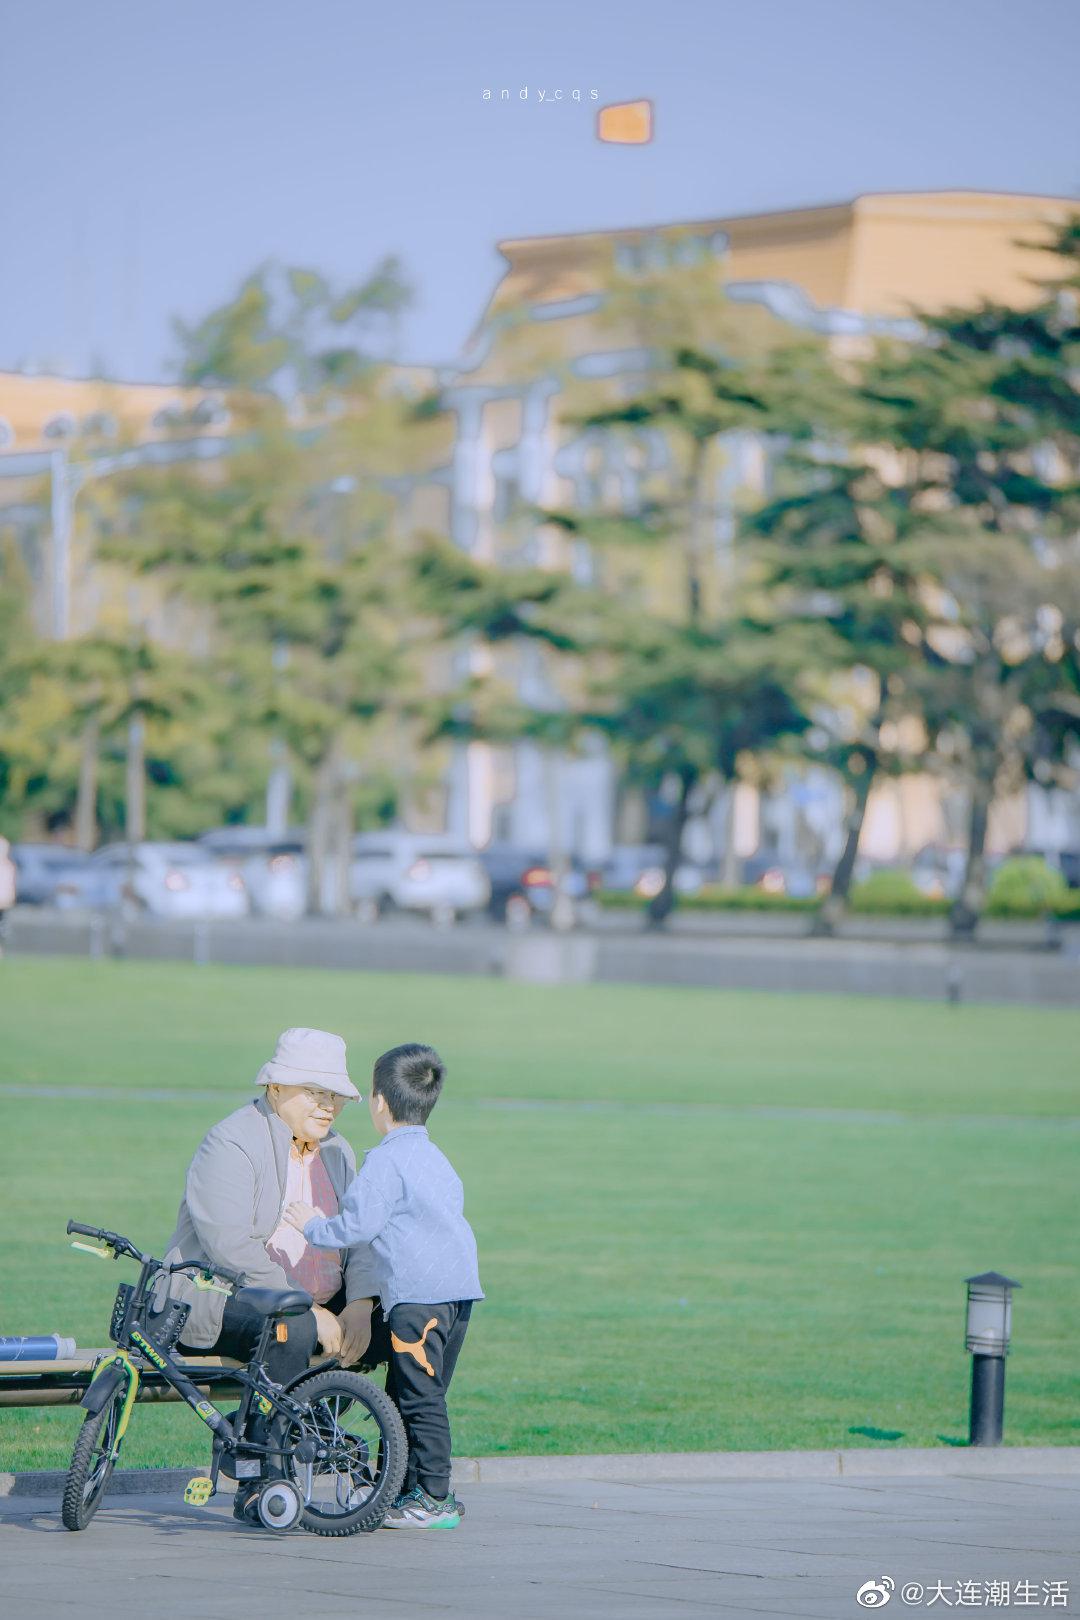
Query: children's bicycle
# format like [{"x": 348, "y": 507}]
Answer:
[{"x": 334, "y": 1453}]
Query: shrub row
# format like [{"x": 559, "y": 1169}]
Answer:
[{"x": 1024, "y": 888}]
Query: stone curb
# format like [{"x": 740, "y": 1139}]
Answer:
[{"x": 637, "y": 1469}]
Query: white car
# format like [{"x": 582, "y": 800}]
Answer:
[
  {"x": 428, "y": 872},
  {"x": 272, "y": 866},
  {"x": 169, "y": 880}
]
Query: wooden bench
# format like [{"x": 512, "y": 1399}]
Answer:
[{"x": 63, "y": 1382}]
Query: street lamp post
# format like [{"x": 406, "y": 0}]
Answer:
[
  {"x": 988, "y": 1330},
  {"x": 67, "y": 478}
]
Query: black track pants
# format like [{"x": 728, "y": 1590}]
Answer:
[{"x": 420, "y": 1345}]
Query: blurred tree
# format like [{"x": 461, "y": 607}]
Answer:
[
  {"x": 16, "y": 637},
  {"x": 289, "y": 328},
  {"x": 985, "y": 418},
  {"x": 303, "y": 593},
  {"x": 75, "y": 706},
  {"x": 471, "y": 604},
  {"x": 840, "y": 547},
  {"x": 287, "y": 561},
  {"x": 692, "y": 679}
]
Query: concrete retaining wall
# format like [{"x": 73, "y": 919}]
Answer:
[{"x": 935, "y": 971}]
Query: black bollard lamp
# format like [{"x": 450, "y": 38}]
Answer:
[{"x": 989, "y": 1329}]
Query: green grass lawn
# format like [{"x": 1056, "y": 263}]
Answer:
[{"x": 667, "y": 1267}]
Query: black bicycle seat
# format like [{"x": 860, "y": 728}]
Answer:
[{"x": 275, "y": 1301}]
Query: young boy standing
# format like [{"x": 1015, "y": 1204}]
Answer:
[{"x": 407, "y": 1202}]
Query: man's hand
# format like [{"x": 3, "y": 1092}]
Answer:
[
  {"x": 355, "y": 1322},
  {"x": 330, "y": 1333},
  {"x": 298, "y": 1215}
]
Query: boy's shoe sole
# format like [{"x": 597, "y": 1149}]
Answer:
[
  {"x": 403, "y": 1521},
  {"x": 411, "y": 1514}
]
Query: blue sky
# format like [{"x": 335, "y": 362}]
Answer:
[{"x": 153, "y": 153}]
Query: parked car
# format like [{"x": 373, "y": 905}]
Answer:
[
  {"x": 433, "y": 873},
  {"x": 937, "y": 870},
  {"x": 774, "y": 875},
  {"x": 179, "y": 880},
  {"x": 7, "y": 878},
  {"x": 273, "y": 867},
  {"x": 640, "y": 867},
  {"x": 523, "y": 886},
  {"x": 47, "y": 874}
]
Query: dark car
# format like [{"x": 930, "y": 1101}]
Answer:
[
  {"x": 522, "y": 885},
  {"x": 48, "y": 874}
]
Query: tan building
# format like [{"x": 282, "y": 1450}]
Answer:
[
  {"x": 89, "y": 414},
  {"x": 847, "y": 270},
  {"x": 877, "y": 255}
]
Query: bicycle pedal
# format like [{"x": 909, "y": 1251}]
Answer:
[{"x": 198, "y": 1491}]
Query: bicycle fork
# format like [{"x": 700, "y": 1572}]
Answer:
[{"x": 107, "y": 1378}]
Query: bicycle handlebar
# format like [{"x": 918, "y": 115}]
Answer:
[
  {"x": 210, "y": 1268},
  {"x": 124, "y": 1245},
  {"x": 121, "y": 1245}
]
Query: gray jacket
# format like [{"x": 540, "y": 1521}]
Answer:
[{"x": 233, "y": 1200}]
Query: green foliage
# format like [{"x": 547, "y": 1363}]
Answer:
[
  {"x": 893, "y": 892},
  {"x": 278, "y": 599},
  {"x": 906, "y": 594},
  {"x": 290, "y": 323},
  {"x": 1025, "y": 886},
  {"x": 711, "y": 897}
]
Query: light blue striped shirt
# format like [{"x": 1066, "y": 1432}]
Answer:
[{"x": 407, "y": 1201}]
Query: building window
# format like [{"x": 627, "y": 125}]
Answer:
[
  {"x": 507, "y": 498},
  {"x": 560, "y": 309},
  {"x": 210, "y": 412},
  {"x": 7, "y": 434},
  {"x": 689, "y": 250},
  {"x": 60, "y": 426},
  {"x": 169, "y": 416},
  {"x": 100, "y": 425}
]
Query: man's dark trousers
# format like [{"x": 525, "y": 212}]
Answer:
[
  {"x": 241, "y": 1327},
  {"x": 420, "y": 1345}
]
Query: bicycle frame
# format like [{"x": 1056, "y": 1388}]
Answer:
[
  {"x": 133, "y": 1335},
  {"x": 300, "y": 1436}
]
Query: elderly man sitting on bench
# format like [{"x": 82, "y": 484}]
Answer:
[{"x": 278, "y": 1149}]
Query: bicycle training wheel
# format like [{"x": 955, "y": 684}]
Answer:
[
  {"x": 91, "y": 1463},
  {"x": 359, "y": 1429}
]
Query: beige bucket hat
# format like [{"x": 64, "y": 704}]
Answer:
[{"x": 309, "y": 1057}]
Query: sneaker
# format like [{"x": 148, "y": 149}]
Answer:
[
  {"x": 416, "y": 1510},
  {"x": 245, "y": 1506}
]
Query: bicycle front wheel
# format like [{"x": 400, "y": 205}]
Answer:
[
  {"x": 348, "y": 1454},
  {"x": 92, "y": 1463}
]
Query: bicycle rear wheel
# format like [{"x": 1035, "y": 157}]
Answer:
[
  {"x": 92, "y": 1462},
  {"x": 358, "y": 1429}
]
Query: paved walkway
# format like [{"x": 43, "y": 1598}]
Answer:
[{"x": 570, "y": 1550}]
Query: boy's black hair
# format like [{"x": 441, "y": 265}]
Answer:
[{"x": 410, "y": 1078}]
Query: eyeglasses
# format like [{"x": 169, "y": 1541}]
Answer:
[{"x": 325, "y": 1099}]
